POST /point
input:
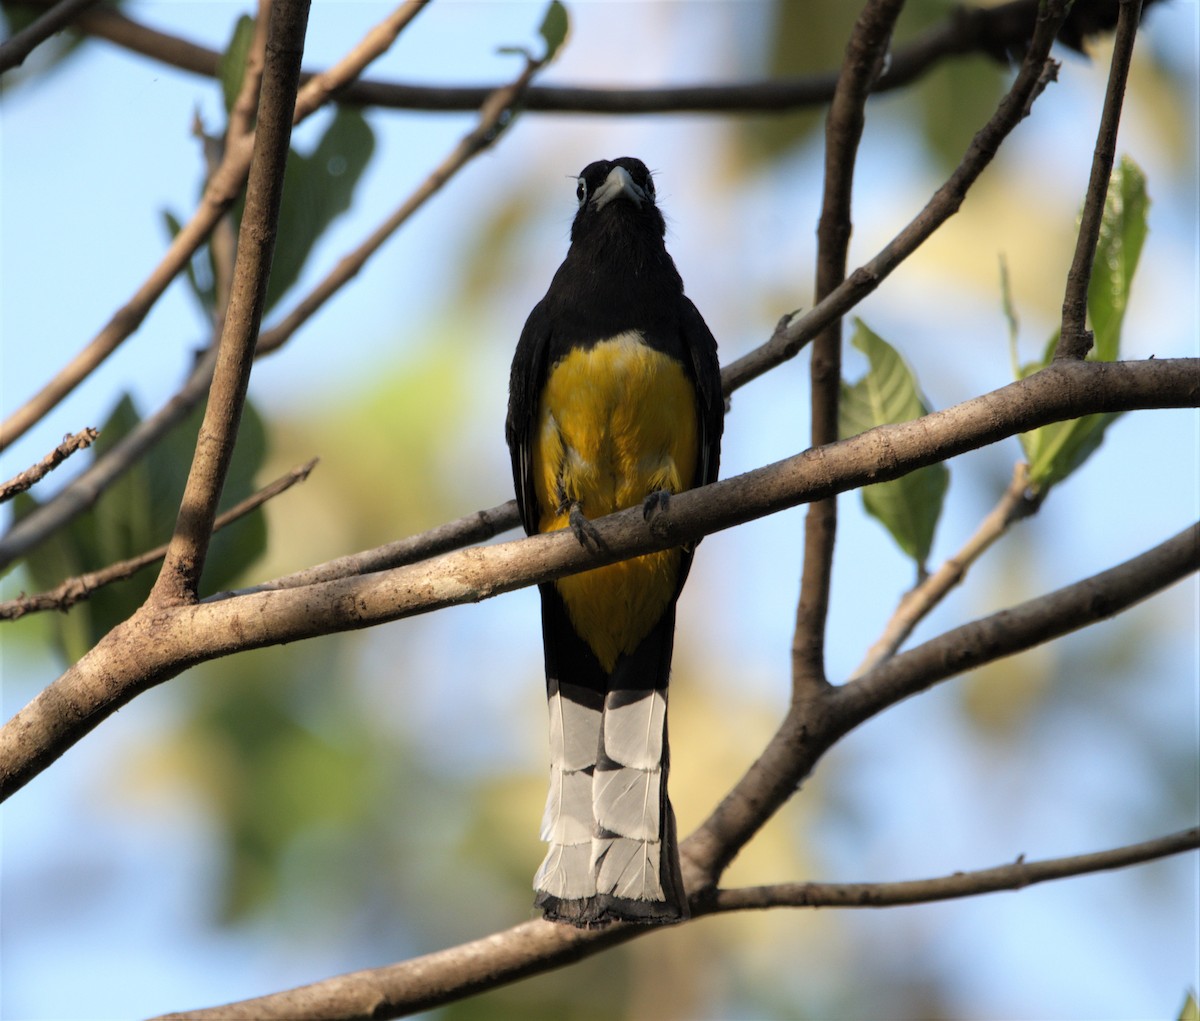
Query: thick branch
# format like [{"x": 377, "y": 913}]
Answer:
[
  {"x": 154, "y": 646},
  {"x": 1075, "y": 340},
  {"x": 184, "y": 561}
]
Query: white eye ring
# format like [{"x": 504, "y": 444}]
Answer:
[{"x": 581, "y": 190}]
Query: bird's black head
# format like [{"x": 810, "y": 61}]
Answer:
[{"x": 613, "y": 193}]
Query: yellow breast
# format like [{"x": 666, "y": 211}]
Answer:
[{"x": 616, "y": 422}]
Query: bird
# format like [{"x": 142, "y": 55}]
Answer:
[{"x": 614, "y": 401}]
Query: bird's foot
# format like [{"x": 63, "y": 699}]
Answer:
[
  {"x": 655, "y": 513},
  {"x": 587, "y": 533}
]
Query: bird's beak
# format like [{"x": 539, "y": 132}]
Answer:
[{"x": 618, "y": 184}]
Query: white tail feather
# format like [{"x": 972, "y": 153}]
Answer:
[
  {"x": 628, "y": 868},
  {"x": 568, "y": 815},
  {"x": 626, "y": 802},
  {"x": 567, "y": 872},
  {"x": 574, "y": 731},
  {"x": 633, "y": 732}
]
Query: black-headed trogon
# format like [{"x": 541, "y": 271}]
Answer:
[{"x": 614, "y": 402}]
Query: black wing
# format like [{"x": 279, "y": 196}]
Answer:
[
  {"x": 524, "y": 388},
  {"x": 710, "y": 403}
]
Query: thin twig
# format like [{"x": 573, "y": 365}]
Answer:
[
  {"x": 865, "y": 53},
  {"x": 472, "y": 528},
  {"x": 16, "y": 48},
  {"x": 82, "y": 492},
  {"x": 492, "y": 120},
  {"x": 1012, "y": 506},
  {"x": 33, "y": 475},
  {"x": 1075, "y": 339},
  {"x": 183, "y": 562},
  {"x": 220, "y": 192},
  {"x": 73, "y": 590},
  {"x": 1014, "y": 876}
]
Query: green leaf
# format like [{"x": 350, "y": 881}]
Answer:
[
  {"x": 316, "y": 189},
  {"x": 909, "y": 507},
  {"x": 1118, "y": 248},
  {"x": 554, "y": 29},
  {"x": 1055, "y": 451},
  {"x": 136, "y": 514},
  {"x": 231, "y": 66}
]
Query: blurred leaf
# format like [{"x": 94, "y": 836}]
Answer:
[
  {"x": 198, "y": 268},
  {"x": 1118, "y": 248},
  {"x": 554, "y": 29},
  {"x": 1189, "y": 1011},
  {"x": 1055, "y": 451},
  {"x": 316, "y": 189},
  {"x": 231, "y": 66},
  {"x": 953, "y": 102},
  {"x": 136, "y": 514},
  {"x": 909, "y": 507}
]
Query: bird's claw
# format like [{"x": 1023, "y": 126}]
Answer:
[
  {"x": 585, "y": 531},
  {"x": 654, "y": 512}
]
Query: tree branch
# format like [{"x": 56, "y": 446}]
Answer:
[
  {"x": 184, "y": 560},
  {"x": 864, "y": 59},
  {"x": 15, "y": 49},
  {"x": 73, "y": 590},
  {"x": 471, "y": 528},
  {"x": 1075, "y": 339},
  {"x": 793, "y": 332},
  {"x": 1013, "y": 505},
  {"x": 157, "y": 643},
  {"x": 33, "y": 475},
  {"x": 494, "y": 116},
  {"x": 993, "y": 32},
  {"x": 1014, "y": 876}
]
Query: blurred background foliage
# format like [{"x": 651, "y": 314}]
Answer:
[{"x": 364, "y": 797}]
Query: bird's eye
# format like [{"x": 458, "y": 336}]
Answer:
[{"x": 581, "y": 191}]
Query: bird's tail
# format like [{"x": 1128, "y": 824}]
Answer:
[{"x": 613, "y": 851}]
